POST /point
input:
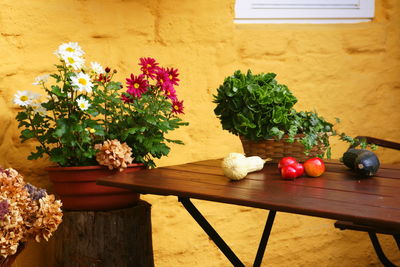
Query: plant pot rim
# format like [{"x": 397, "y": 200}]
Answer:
[{"x": 83, "y": 168}]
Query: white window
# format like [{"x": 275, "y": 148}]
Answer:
[{"x": 304, "y": 11}]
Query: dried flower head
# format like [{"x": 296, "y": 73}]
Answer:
[
  {"x": 113, "y": 154},
  {"x": 34, "y": 192},
  {"x": 3, "y": 208},
  {"x": 26, "y": 212},
  {"x": 48, "y": 217}
]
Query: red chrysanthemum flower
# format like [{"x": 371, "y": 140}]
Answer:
[
  {"x": 137, "y": 85},
  {"x": 177, "y": 107},
  {"x": 173, "y": 75},
  {"x": 126, "y": 98},
  {"x": 149, "y": 67}
]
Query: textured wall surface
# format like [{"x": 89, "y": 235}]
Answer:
[{"x": 346, "y": 71}]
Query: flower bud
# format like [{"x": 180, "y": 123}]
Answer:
[{"x": 107, "y": 70}]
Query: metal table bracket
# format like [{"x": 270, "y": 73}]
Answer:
[
  {"x": 221, "y": 244},
  {"x": 379, "y": 251}
]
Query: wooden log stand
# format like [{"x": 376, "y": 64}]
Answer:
[{"x": 104, "y": 238}]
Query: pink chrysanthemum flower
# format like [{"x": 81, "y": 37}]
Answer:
[
  {"x": 169, "y": 91},
  {"x": 177, "y": 107},
  {"x": 126, "y": 98},
  {"x": 173, "y": 75},
  {"x": 165, "y": 83},
  {"x": 162, "y": 77},
  {"x": 149, "y": 67},
  {"x": 137, "y": 85}
]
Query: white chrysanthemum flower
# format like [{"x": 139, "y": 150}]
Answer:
[
  {"x": 38, "y": 108},
  {"x": 34, "y": 96},
  {"x": 96, "y": 67},
  {"x": 41, "y": 79},
  {"x": 83, "y": 103},
  {"x": 72, "y": 60},
  {"x": 82, "y": 82},
  {"x": 23, "y": 98},
  {"x": 71, "y": 47},
  {"x": 55, "y": 98}
]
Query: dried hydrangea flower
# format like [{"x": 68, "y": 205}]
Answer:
[
  {"x": 34, "y": 192},
  {"x": 26, "y": 212},
  {"x": 3, "y": 208},
  {"x": 48, "y": 217},
  {"x": 113, "y": 154},
  {"x": 13, "y": 226}
]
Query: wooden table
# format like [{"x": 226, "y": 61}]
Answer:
[{"x": 338, "y": 194}]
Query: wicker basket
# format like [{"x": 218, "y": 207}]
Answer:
[{"x": 277, "y": 149}]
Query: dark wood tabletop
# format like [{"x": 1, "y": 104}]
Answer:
[{"x": 338, "y": 194}]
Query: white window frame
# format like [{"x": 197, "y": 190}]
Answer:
[{"x": 303, "y": 11}]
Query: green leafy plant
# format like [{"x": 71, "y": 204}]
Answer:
[
  {"x": 254, "y": 106},
  {"x": 85, "y": 107},
  {"x": 356, "y": 142},
  {"x": 313, "y": 130},
  {"x": 257, "y": 107}
]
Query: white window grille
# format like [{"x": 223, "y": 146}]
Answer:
[{"x": 304, "y": 11}]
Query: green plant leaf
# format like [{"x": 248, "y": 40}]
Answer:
[
  {"x": 276, "y": 132},
  {"x": 252, "y": 88},
  {"x": 21, "y": 116},
  {"x": 27, "y": 134},
  {"x": 55, "y": 89},
  {"x": 61, "y": 128},
  {"x": 37, "y": 119},
  {"x": 56, "y": 76}
]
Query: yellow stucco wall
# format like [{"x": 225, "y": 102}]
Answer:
[{"x": 346, "y": 71}]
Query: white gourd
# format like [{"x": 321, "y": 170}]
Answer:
[
  {"x": 235, "y": 155},
  {"x": 254, "y": 163},
  {"x": 236, "y": 166}
]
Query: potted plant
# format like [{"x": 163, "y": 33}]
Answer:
[
  {"x": 260, "y": 110},
  {"x": 26, "y": 213},
  {"x": 87, "y": 119}
]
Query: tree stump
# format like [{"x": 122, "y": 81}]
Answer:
[{"x": 104, "y": 238}]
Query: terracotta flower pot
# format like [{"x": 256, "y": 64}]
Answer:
[{"x": 77, "y": 188}]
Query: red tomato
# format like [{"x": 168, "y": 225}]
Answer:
[
  {"x": 299, "y": 168},
  {"x": 288, "y": 172},
  {"x": 286, "y": 161},
  {"x": 314, "y": 167}
]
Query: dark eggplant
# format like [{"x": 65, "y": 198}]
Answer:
[
  {"x": 366, "y": 163},
  {"x": 363, "y": 161},
  {"x": 349, "y": 157}
]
